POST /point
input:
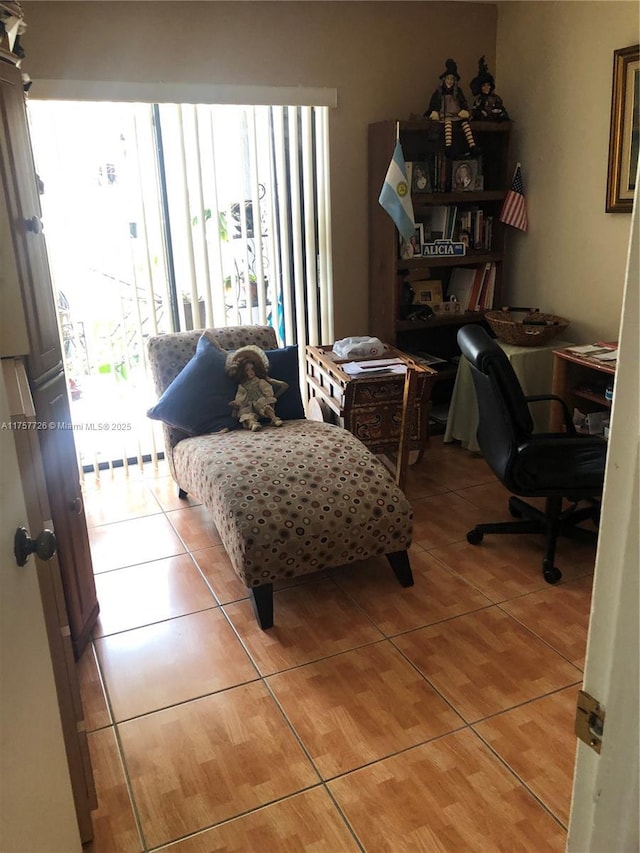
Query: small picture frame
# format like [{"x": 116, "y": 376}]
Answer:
[
  {"x": 427, "y": 293},
  {"x": 465, "y": 238},
  {"x": 420, "y": 178},
  {"x": 464, "y": 174},
  {"x": 412, "y": 248}
]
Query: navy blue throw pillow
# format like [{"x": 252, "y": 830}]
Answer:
[
  {"x": 283, "y": 365},
  {"x": 197, "y": 401}
]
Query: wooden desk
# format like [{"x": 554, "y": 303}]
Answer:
[
  {"x": 370, "y": 407},
  {"x": 581, "y": 382}
]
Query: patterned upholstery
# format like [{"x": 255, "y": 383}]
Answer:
[
  {"x": 289, "y": 500},
  {"x": 168, "y": 354}
]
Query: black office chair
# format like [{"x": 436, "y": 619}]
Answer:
[{"x": 549, "y": 465}]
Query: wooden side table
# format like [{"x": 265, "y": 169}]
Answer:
[
  {"x": 581, "y": 382},
  {"x": 370, "y": 407}
]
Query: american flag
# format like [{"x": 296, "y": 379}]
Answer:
[{"x": 514, "y": 209}]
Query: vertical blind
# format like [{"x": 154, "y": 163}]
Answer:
[{"x": 182, "y": 217}]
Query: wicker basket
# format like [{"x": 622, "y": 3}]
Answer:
[{"x": 525, "y": 329}]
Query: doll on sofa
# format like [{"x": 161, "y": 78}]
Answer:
[{"x": 255, "y": 398}]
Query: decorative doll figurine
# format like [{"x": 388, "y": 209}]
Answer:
[
  {"x": 487, "y": 106},
  {"x": 448, "y": 104},
  {"x": 256, "y": 395}
]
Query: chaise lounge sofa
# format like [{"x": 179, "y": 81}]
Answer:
[{"x": 287, "y": 500}]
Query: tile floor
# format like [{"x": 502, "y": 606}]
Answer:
[{"x": 371, "y": 717}]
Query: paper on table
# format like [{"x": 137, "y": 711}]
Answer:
[
  {"x": 608, "y": 355},
  {"x": 588, "y": 349},
  {"x": 369, "y": 368}
]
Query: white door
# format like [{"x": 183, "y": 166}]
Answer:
[
  {"x": 605, "y": 810},
  {"x": 37, "y": 811}
]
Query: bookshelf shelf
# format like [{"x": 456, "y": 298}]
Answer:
[
  {"x": 390, "y": 275},
  {"x": 471, "y": 259}
]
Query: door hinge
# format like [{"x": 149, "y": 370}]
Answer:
[{"x": 589, "y": 721}]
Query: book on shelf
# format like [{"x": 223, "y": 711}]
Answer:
[
  {"x": 473, "y": 287},
  {"x": 461, "y": 285},
  {"x": 474, "y": 296},
  {"x": 436, "y": 225},
  {"x": 488, "y": 288}
]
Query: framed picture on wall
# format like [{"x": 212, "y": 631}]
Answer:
[{"x": 624, "y": 135}]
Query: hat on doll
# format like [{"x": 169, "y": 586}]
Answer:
[
  {"x": 483, "y": 77},
  {"x": 237, "y": 360},
  {"x": 451, "y": 68}
]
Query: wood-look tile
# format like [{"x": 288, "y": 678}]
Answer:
[
  {"x": 436, "y": 594},
  {"x": 195, "y": 527},
  {"x": 448, "y": 795},
  {"x": 114, "y": 825},
  {"x": 486, "y": 662},
  {"x": 118, "y": 502},
  {"x": 455, "y": 467},
  {"x": 559, "y": 615},
  {"x": 311, "y": 621},
  {"x": 216, "y": 567},
  {"x": 492, "y": 497},
  {"x": 538, "y": 742},
  {"x": 160, "y": 665},
  {"x": 126, "y": 543},
  {"x": 359, "y": 706},
  {"x": 307, "y": 821},
  {"x": 443, "y": 519},
  {"x": 150, "y": 592},
  {"x": 203, "y": 762},
  {"x": 420, "y": 482},
  {"x": 94, "y": 702},
  {"x": 166, "y": 493},
  {"x": 504, "y": 567}
]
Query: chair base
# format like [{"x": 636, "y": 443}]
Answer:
[
  {"x": 262, "y": 596},
  {"x": 553, "y": 522}
]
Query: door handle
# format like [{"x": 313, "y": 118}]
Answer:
[
  {"x": 34, "y": 224},
  {"x": 44, "y": 545}
]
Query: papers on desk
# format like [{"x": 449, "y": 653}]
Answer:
[
  {"x": 374, "y": 367},
  {"x": 596, "y": 352}
]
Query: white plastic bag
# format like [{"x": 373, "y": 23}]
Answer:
[{"x": 364, "y": 347}]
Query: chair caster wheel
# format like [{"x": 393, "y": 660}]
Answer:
[
  {"x": 551, "y": 574},
  {"x": 474, "y": 537}
]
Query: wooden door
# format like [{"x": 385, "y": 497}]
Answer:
[
  {"x": 27, "y": 287},
  {"x": 44, "y": 741},
  {"x": 67, "y": 510},
  {"x": 21, "y": 199}
]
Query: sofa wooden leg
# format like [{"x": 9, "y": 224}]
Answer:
[
  {"x": 182, "y": 494},
  {"x": 262, "y": 600},
  {"x": 402, "y": 567}
]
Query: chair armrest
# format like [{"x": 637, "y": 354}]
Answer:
[{"x": 568, "y": 420}]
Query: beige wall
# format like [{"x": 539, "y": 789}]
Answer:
[
  {"x": 552, "y": 62},
  {"x": 555, "y": 64},
  {"x": 384, "y": 59}
]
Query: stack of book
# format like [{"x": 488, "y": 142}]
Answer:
[{"x": 473, "y": 287}]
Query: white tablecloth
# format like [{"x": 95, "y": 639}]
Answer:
[{"x": 532, "y": 365}]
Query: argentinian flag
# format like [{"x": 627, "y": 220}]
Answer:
[{"x": 395, "y": 196}]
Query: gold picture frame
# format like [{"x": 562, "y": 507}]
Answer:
[
  {"x": 624, "y": 138},
  {"x": 427, "y": 293}
]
